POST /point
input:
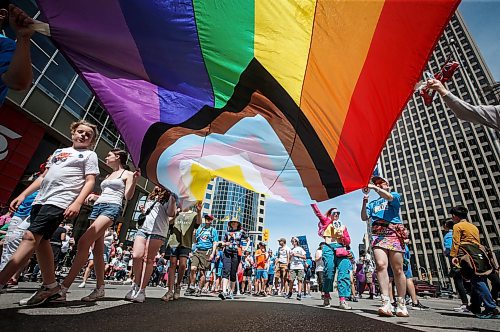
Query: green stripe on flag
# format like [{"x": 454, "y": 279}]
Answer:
[{"x": 226, "y": 34}]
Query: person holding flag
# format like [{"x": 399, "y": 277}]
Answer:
[{"x": 388, "y": 236}]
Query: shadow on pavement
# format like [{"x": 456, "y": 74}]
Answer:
[
  {"x": 453, "y": 328},
  {"x": 190, "y": 315}
]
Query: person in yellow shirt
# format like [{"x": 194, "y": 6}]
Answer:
[{"x": 466, "y": 232}]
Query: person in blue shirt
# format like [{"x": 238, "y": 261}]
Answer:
[
  {"x": 454, "y": 272},
  {"x": 270, "y": 272},
  {"x": 18, "y": 225},
  {"x": 15, "y": 58},
  {"x": 388, "y": 236},
  {"x": 448, "y": 237},
  {"x": 206, "y": 239},
  {"x": 219, "y": 265}
]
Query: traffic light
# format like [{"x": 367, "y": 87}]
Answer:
[{"x": 265, "y": 235}]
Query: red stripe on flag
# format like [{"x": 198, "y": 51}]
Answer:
[{"x": 403, "y": 41}]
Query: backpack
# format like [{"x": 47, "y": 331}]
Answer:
[{"x": 474, "y": 260}]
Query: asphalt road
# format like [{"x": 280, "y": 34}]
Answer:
[{"x": 211, "y": 314}]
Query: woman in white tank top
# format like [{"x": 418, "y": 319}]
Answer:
[{"x": 119, "y": 185}]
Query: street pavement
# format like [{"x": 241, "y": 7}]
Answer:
[{"x": 208, "y": 313}]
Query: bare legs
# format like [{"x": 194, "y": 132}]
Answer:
[{"x": 95, "y": 233}]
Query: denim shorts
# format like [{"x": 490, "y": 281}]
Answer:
[
  {"x": 110, "y": 210},
  {"x": 148, "y": 236},
  {"x": 261, "y": 274},
  {"x": 177, "y": 252}
]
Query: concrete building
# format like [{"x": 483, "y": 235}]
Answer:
[
  {"x": 225, "y": 200},
  {"x": 437, "y": 161},
  {"x": 40, "y": 117}
]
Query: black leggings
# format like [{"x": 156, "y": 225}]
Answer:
[
  {"x": 230, "y": 263},
  {"x": 320, "y": 280}
]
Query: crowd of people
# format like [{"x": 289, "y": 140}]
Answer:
[
  {"x": 173, "y": 247},
  {"x": 176, "y": 245}
]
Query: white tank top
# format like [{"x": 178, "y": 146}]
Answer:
[{"x": 113, "y": 191}]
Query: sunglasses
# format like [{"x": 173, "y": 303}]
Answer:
[{"x": 336, "y": 213}]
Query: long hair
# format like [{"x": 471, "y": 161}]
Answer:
[
  {"x": 322, "y": 227},
  {"x": 123, "y": 156}
]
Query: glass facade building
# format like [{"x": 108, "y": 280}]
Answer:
[
  {"x": 437, "y": 161},
  {"x": 225, "y": 200},
  {"x": 57, "y": 98}
]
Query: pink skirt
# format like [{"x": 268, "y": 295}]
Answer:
[{"x": 389, "y": 236}]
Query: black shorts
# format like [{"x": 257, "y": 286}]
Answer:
[
  {"x": 177, "y": 252},
  {"x": 45, "y": 219},
  {"x": 247, "y": 272}
]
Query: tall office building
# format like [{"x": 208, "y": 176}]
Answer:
[
  {"x": 35, "y": 122},
  {"x": 437, "y": 161},
  {"x": 226, "y": 200}
]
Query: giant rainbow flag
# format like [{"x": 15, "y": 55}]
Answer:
[{"x": 290, "y": 98}]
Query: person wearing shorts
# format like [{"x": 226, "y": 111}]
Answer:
[
  {"x": 106, "y": 209},
  {"x": 282, "y": 261},
  {"x": 388, "y": 235},
  {"x": 179, "y": 247},
  {"x": 69, "y": 177},
  {"x": 152, "y": 234},
  {"x": 261, "y": 262},
  {"x": 297, "y": 259},
  {"x": 206, "y": 239}
]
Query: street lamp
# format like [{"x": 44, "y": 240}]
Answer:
[{"x": 238, "y": 202}]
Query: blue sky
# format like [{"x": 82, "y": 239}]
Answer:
[{"x": 287, "y": 220}]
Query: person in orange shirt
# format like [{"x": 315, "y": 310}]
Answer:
[{"x": 261, "y": 259}]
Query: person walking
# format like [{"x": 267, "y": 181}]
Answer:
[
  {"x": 206, "y": 239},
  {"x": 335, "y": 255},
  {"x": 150, "y": 236},
  {"x": 68, "y": 179},
  {"x": 297, "y": 266},
  {"x": 465, "y": 233},
  {"x": 106, "y": 209},
  {"x": 179, "y": 246},
  {"x": 232, "y": 239},
  {"x": 388, "y": 234}
]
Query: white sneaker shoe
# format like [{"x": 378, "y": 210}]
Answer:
[
  {"x": 401, "y": 310},
  {"x": 140, "y": 296},
  {"x": 97, "y": 293},
  {"x": 386, "y": 309},
  {"x": 128, "y": 281},
  {"x": 82, "y": 285},
  {"x": 132, "y": 292},
  {"x": 344, "y": 305}
]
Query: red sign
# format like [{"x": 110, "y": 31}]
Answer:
[{"x": 19, "y": 138}]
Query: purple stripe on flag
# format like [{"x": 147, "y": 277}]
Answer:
[
  {"x": 95, "y": 36},
  {"x": 133, "y": 105},
  {"x": 170, "y": 50}
]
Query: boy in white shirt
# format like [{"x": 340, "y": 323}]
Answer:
[{"x": 68, "y": 179}]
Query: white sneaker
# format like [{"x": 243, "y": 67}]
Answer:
[
  {"x": 401, "y": 310},
  {"x": 128, "y": 281},
  {"x": 344, "y": 305},
  {"x": 140, "y": 296},
  {"x": 462, "y": 308},
  {"x": 82, "y": 285},
  {"x": 386, "y": 309},
  {"x": 132, "y": 292},
  {"x": 97, "y": 293}
]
